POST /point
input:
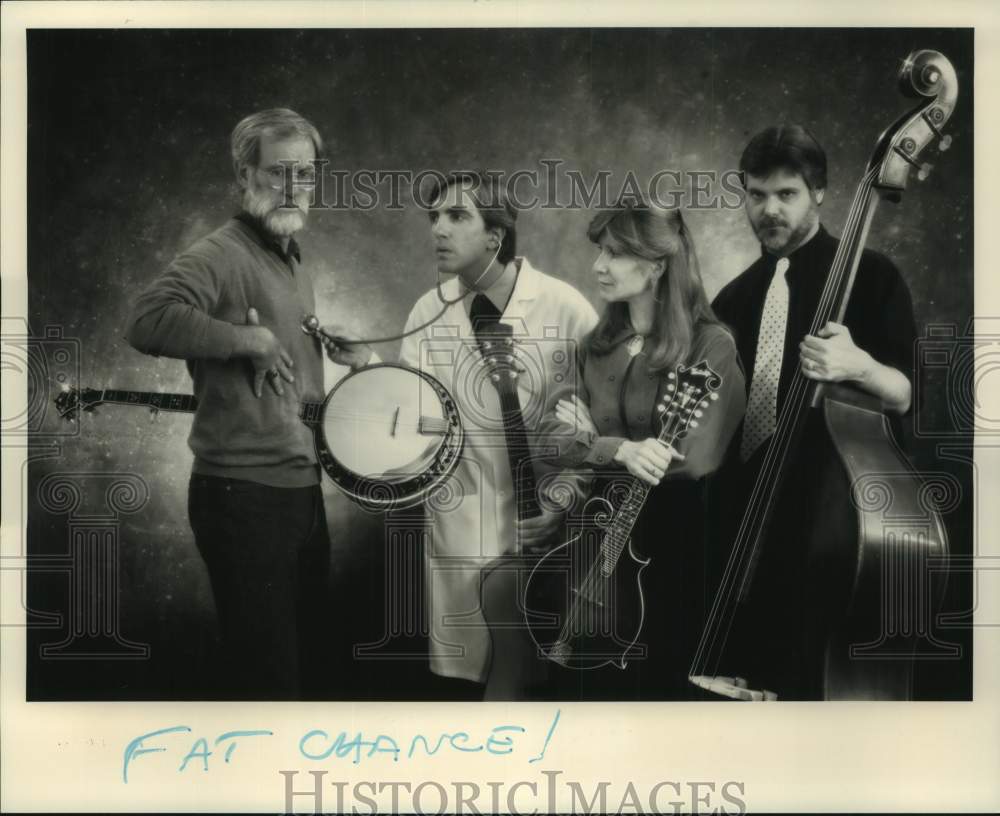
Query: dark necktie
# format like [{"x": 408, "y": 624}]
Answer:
[{"x": 483, "y": 314}]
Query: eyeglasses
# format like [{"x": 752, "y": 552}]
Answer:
[{"x": 278, "y": 176}]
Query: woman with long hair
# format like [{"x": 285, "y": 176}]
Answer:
[{"x": 657, "y": 318}]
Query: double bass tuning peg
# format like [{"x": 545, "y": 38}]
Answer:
[
  {"x": 944, "y": 144},
  {"x": 924, "y": 171}
]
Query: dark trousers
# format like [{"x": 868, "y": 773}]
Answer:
[{"x": 267, "y": 550}]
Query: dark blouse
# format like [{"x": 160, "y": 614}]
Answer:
[{"x": 622, "y": 393}]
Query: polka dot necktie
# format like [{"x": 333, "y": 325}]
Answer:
[{"x": 762, "y": 406}]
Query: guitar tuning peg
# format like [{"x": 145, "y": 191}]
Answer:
[
  {"x": 714, "y": 396},
  {"x": 670, "y": 387},
  {"x": 944, "y": 144},
  {"x": 924, "y": 171},
  {"x": 697, "y": 413},
  {"x": 661, "y": 408},
  {"x": 694, "y": 423},
  {"x": 495, "y": 377}
]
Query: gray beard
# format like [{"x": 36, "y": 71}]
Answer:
[{"x": 280, "y": 223}]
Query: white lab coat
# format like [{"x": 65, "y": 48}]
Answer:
[{"x": 473, "y": 520}]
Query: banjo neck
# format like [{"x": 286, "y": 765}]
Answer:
[
  {"x": 309, "y": 412},
  {"x": 413, "y": 432}
]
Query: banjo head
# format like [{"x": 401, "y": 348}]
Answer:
[{"x": 388, "y": 435}]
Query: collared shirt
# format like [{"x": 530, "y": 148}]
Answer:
[
  {"x": 500, "y": 291},
  {"x": 879, "y": 313},
  {"x": 269, "y": 240}
]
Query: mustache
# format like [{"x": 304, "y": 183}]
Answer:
[
  {"x": 767, "y": 223},
  {"x": 262, "y": 205}
]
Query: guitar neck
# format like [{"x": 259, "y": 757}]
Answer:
[
  {"x": 518, "y": 454},
  {"x": 309, "y": 412}
]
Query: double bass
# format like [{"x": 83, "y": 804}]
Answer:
[{"x": 859, "y": 579}]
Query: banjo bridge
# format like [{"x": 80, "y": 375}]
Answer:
[{"x": 432, "y": 426}]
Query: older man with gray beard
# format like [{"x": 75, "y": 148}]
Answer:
[{"x": 231, "y": 306}]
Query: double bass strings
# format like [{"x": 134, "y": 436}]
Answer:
[
  {"x": 774, "y": 453},
  {"x": 737, "y": 568},
  {"x": 799, "y": 387}
]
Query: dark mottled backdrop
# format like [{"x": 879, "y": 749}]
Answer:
[{"x": 128, "y": 164}]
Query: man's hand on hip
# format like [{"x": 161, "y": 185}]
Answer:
[{"x": 270, "y": 361}]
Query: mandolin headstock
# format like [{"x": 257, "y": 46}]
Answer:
[
  {"x": 690, "y": 391},
  {"x": 930, "y": 76}
]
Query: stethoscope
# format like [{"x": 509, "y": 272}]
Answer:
[{"x": 310, "y": 324}]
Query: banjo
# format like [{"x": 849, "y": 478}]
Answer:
[{"x": 387, "y": 435}]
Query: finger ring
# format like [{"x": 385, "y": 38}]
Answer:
[{"x": 272, "y": 372}]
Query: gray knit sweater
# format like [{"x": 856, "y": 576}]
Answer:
[{"x": 191, "y": 312}]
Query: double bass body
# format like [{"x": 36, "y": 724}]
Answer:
[{"x": 845, "y": 593}]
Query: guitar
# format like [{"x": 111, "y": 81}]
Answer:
[
  {"x": 513, "y": 669},
  {"x": 584, "y": 601}
]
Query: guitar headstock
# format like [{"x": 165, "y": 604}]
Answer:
[
  {"x": 923, "y": 74},
  {"x": 71, "y": 401},
  {"x": 499, "y": 353},
  {"x": 690, "y": 391}
]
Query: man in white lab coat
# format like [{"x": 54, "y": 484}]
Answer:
[{"x": 473, "y": 227}]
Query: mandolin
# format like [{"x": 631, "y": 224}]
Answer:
[{"x": 584, "y": 602}]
